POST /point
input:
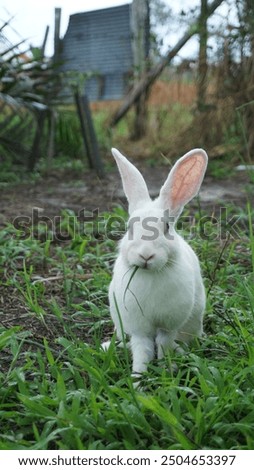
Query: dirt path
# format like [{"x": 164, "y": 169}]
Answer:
[{"x": 78, "y": 191}]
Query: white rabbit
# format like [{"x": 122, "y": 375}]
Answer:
[{"x": 157, "y": 294}]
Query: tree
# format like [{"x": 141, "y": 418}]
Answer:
[
  {"x": 141, "y": 49},
  {"x": 148, "y": 17},
  {"x": 157, "y": 69},
  {"x": 202, "y": 58}
]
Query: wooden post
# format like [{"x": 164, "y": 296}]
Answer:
[
  {"x": 44, "y": 41},
  {"x": 51, "y": 138},
  {"x": 58, "y": 12},
  {"x": 88, "y": 133},
  {"x": 35, "y": 151}
]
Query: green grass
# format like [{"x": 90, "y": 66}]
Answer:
[
  {"x": 60, "y": 390},
  {"x": 167, "y": 121}
]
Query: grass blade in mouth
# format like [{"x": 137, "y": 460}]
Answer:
[{"x": 128, "y": 289}]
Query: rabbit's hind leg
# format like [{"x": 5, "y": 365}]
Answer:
[{"x": 165, "y": 341}]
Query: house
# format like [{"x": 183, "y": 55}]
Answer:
[{"x": 99, "y": 43}]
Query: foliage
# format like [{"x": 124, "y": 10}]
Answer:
[
  {"x": 31, "y": 120},
  {"x": 232, "y": 97},
  {"x": 60, "y": 390},
  {"x": 68, "y": 139},
  {"x": 28, "y": 85},
  {"x": 226, "y": 114}
]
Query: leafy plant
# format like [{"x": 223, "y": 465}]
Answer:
[{"x": 28, "y": 84}]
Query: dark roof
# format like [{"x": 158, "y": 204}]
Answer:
[{"x": 100, "y": 42}]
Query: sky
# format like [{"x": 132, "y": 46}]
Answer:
[{"x": 31, "y": 17}]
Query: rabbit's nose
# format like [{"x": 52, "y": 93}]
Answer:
[{"x": 147, "y": 258}]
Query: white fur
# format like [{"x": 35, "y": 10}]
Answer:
[{"x": 164, "y": 301}]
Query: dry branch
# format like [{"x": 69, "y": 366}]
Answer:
[{"x": 60, "y": 277}]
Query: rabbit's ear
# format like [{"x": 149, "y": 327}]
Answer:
[
  {"x": 133, "y": 182},
  {"x": 183, "y": 181}
]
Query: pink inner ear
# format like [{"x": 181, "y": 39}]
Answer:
[{"x": 186, "y": 180}]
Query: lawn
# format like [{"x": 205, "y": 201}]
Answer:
[{"x": 60, "y": 390}]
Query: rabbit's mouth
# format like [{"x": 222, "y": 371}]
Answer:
[
  {"x": 155, "y": 266},
  {"x": 146, "y": 266}
]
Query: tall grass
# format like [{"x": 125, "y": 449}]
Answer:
[{"x": 61, "y": 390}]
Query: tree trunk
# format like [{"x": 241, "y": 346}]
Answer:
[
  {"x": 141, "y": 33},
  {"x": 202, "y": 59}
]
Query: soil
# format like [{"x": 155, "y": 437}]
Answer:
[{"x": 78, "y": 191}]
